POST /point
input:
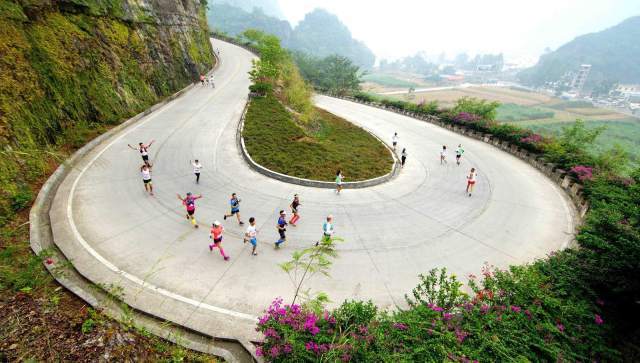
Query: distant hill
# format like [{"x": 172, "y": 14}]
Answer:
[
  {"x": 614, "y": 54},
  {"x": 268, "y": 7},
  {"x": 319, "y": 34}
]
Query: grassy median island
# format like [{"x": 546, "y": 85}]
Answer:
[{"x": 275, "y": 141}]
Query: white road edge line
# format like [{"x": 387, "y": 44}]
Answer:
[{"x": 114, "y": 268}]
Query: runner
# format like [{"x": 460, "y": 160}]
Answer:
[
  {"x": 294, "y": 210},
  {"x": 235, "y": 208},
  {"x": 190, "y": 202},
  {"x": 213, "y": 85},
  {"x": 144, "y": 150},
  {"x": 339, "y": 178},
  {"x": 145, "y": 170},
  {"x": 394, "y": 140},
  {"x": 216, "y": 236},
  {"x": 459, "y": 152},
  {"x": 403, "y": 158},
  {"x": 327, "y": 230},
  {"x": 202, "y": 80},
  {"x": 471, "y": 180},
  {"x": 206, "y": 81},
  {"x": 282, "y": 228},
  {"x": 196, "y": 169},
  {"x": 443, "y": 155},
  {"x": 250, "y": 235}
]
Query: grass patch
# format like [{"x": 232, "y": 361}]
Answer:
[
  {"x": 388, "y": 80},
  {"x": 275, "y": 141},
  {"x": 514, "y": 112}
]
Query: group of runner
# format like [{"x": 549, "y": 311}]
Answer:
[
  {"x": 216, "y": 232},
  {"x": 471, "y": 178},
  {"x": 207, "y": 81}
]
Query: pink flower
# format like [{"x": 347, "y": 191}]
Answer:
[
  {"x": 274, "y": 351},
  {"x": 582, "y": 172},
  {"x": 446, "y": 316},
  {"x": 345, "y": 357},
  {"x": 515, "y": 309},
  {"x": 527, "y": 313},
  {"x": 287, "y": 348},
  {"x": 400, "y": 326},
  {"x": 437, "y": 308},
  {"x": 461, "y": 335},
  {"x": 259, "y": 351},
  {"x": 598, "y": 320},
  {"x": 484, "y": 308},
  {"x": 560, "y": 327}
]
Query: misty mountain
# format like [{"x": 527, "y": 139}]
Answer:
[
  {"x": 319, "y": 34},
  {"x": 268, "y": 7},
  {"x": 613, "y": 53}
]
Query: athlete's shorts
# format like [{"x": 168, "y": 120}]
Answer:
[
  {"x": 217, "y": 240},
  {"x": 235, "y": 210},
  {"x": 145, "y": 157},
  {"x": 147, "y": 181},
  {"x": 294, "y": 210},
  {"x": 190, "y": 212},
  {"x": 394, "y": 143},
  {"x": 281, "y": 232},
  {"x": 471, "y": 182},
  {"x": 458, "y": 156},
  {"x": 253, "y": 241}
]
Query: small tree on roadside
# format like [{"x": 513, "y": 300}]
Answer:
[{"x": 306, "y": 263}]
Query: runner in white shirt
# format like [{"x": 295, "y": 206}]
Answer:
[
  {"x": 443, "y": 155},
  {"x": 145, "y": 170},
  {"x": 196, "y": 169},
  {"x": 144, "y": 151},
  {"x": 471, "y": 180},
  {"x": 250, "y": 235},
  {"x": 327, "y": 230},
  {"x": 394, "y": 140}
]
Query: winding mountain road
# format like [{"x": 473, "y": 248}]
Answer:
[{"x": 117, "y": 235}]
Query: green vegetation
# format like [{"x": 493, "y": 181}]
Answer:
[
  {"x": 275, "y": 141},
  {"x": 302, "y": 141},
  {"x": 576, "y": 305},
  {"x": 334, "y": 74},
  {"x": 320, "y": 34},
  {"x": 68, "y": 72},
  {"x": 388, "y": 80},
  {"x": 514, "y": 112},
  {"x": 611, "y": 52}
]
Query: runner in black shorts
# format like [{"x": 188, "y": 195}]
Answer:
[{"x": 144, "y": 150}]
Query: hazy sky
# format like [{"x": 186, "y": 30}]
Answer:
[{"x": 519, "y": 28}]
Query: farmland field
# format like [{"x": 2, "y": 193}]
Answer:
[{"x": 546, "y": 114}]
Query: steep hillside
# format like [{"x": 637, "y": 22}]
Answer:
[
  {"x": 71, "y": 68},
  {"x": 613, "y": 54}
]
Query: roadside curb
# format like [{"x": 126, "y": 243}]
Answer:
[
  {"x": 42, "y": 242},
  {"x": 395, "y": 168}
]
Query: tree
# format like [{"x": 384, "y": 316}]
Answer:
[{"x": 483, "y": 108}]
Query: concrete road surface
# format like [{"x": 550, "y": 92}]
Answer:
[{"x": 143, "y": 247}]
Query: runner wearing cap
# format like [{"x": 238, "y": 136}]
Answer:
[
  {"x": 282, "y": 228},
  {"x": 250, "y": 235},
  {"x": 190, "y": 203},
  {"x": 216, "y": 236}
]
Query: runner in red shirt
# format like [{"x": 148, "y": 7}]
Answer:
[
  {"x": 216, "y": 236},
  {"x": 190, "y": 202}
]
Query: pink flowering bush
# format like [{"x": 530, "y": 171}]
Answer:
[
  {"x": 582, "y": 172},
  {"x": 510, "y": 315}
]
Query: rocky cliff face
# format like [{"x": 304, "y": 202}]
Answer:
[{"x": 71, "y": 68}]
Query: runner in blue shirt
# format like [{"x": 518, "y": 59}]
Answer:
[
  {"x": 282, "y": 228},
  {"x": 234, "y": 202}
]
